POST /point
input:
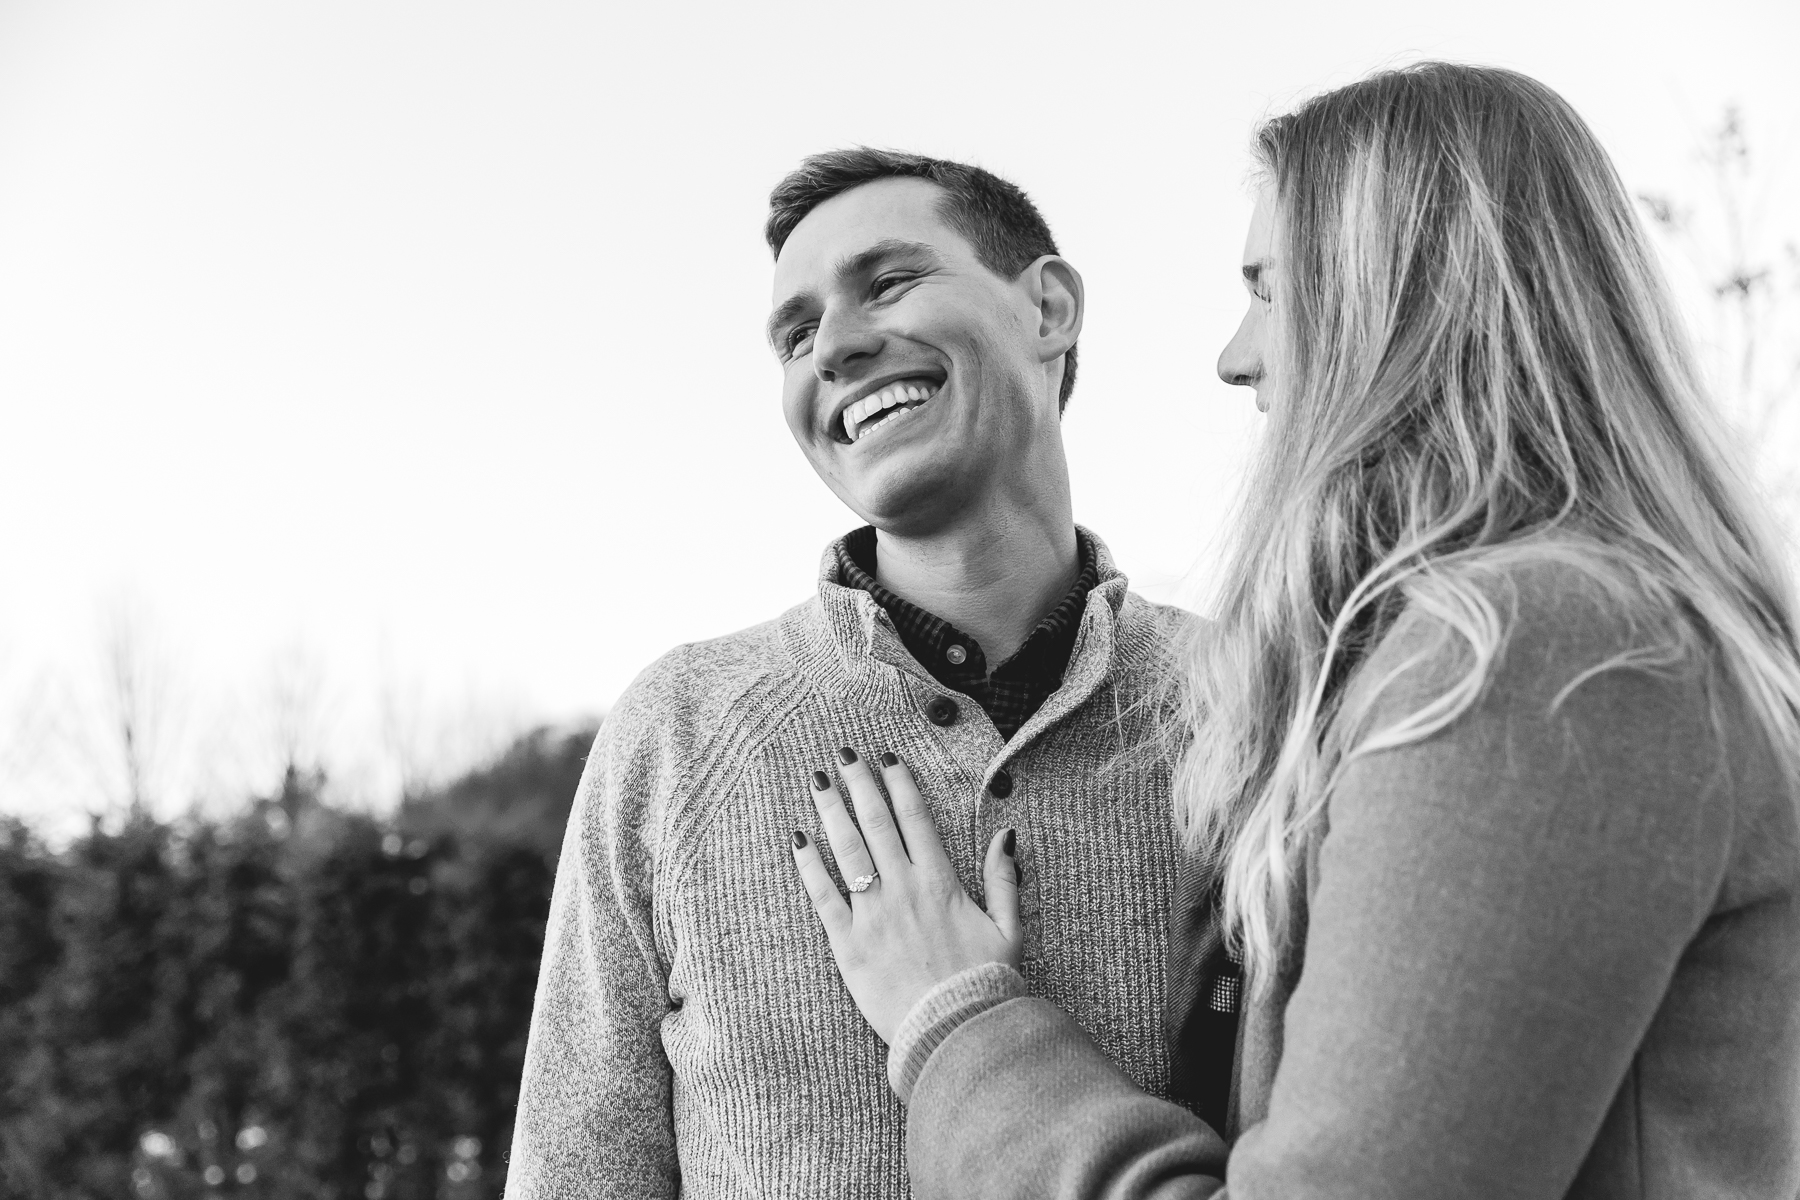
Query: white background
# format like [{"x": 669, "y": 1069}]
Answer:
[{"x": 397, "y": 365}]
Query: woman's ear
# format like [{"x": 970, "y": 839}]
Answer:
[{"x": 1056, "y": 290}]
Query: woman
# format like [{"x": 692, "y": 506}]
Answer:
[{"x": 1494, "y": 741}]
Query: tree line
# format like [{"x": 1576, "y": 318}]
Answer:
[{"x": 296, "y": 1001}]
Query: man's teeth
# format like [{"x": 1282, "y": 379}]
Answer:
[{"x": 887, "y": 397}]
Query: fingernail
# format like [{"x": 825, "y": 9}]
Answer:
[
  {"x": 821, "y": 781},
  {"x": 846, "y": 755},
  {"x": 1009, "y": 844},
  {"x": 799, "y": 840},
  {"x": 889, "y": 759}
]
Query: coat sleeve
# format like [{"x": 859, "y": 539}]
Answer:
[
  {"x": 1498, "y": 911},
  {"x": 594, "y": 1120}
]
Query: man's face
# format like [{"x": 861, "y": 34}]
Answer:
[{"x": 913, "y": 376}]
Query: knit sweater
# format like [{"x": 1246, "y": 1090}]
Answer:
[
  {"x": 691, "y": 1033},
  {"x": 1551, "y": 950}
]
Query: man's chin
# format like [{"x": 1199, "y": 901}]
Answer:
[{"x": 905, "y": 502}]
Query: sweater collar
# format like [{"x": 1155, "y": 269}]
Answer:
[{"x": 846, "y": 644}]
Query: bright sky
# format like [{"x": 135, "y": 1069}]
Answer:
[{"x": 411, "y": 350}]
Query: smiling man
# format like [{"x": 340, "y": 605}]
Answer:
[{"x": 691, "y": 1035}]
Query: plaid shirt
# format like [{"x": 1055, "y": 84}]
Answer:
[{"x": 1017, "y": 687}]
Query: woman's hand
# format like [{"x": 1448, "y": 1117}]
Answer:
[{"x": 911, "y": 926}]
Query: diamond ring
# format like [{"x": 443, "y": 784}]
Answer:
[{"x": 861, "y": 882}]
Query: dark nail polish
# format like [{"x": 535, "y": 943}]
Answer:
[
  {"x": 799, "y": 840},
  {"x": 821, "y": 781},
  {"x": 846, "y": 755},
  {"x": 1009, "y": 845},
  {"x": 889, "y": 759}
]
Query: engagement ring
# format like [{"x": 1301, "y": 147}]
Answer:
[{"x": 861, "y": 882}]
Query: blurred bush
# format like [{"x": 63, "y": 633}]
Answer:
[{"x": 300, "y": 1001}]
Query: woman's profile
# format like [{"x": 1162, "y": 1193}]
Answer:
[{"x": 1492, "y": 747}]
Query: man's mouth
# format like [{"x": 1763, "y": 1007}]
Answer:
[{"x": 880, "y": 410}]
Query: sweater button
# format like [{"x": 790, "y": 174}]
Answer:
[
  {"x": 941, "y": 710},
  {"x": 1001, "y": 785},
  {"x": 957, "y": 656}
]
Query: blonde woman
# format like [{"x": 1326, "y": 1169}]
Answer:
[{"x": 1492, "y": 773}]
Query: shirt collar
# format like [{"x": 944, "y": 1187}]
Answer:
[{"x": 1044, "y": 655}]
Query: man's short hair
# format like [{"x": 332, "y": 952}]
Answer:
[{"x": 1005, "y": 228}]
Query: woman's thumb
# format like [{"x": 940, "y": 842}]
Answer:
[{"x": 1002, "y": 886}]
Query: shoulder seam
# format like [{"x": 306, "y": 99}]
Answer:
[{"x": 717, "y": 766}]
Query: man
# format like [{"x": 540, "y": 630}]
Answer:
[{"x": 691, "y": 1035}]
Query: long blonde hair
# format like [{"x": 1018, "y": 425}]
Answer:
[{"x": 1477, "y": 363}]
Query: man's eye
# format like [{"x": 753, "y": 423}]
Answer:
[
  {"x": 795, "y": 337},
  {"x": 886, "y": 283}
]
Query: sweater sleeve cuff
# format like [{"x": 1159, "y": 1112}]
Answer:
[{"x": 938, "y": 1013}]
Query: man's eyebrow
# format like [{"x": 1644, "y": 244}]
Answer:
[
  {"x": 784, "y": 312},
  {"x": 851, "y": 265},
  {"x": 863, "y": 260}
]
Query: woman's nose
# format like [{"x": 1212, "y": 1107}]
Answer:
[{"x": 1241, "y": 362}]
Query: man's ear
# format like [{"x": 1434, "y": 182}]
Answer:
[{"x": 1056, "y": 290}]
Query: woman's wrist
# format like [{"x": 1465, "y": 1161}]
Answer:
[{"x": 937, "y": 1014}]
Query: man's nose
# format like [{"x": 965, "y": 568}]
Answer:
[{"x": 842, "y": 339}]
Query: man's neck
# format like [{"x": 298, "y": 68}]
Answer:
[{"x": 994, "y": 576}]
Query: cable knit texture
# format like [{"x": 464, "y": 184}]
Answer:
[{"x": 691, "y": 1034}]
